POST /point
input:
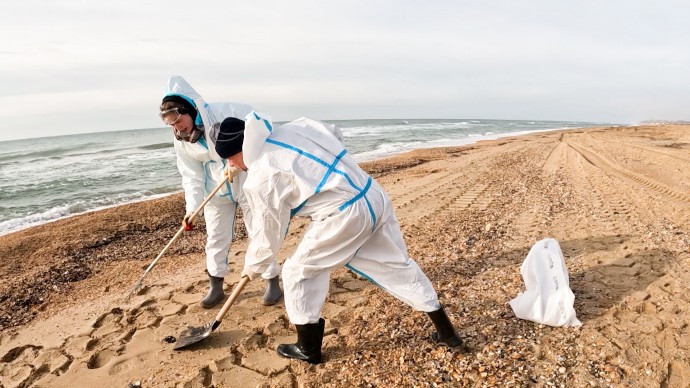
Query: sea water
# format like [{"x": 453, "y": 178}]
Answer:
[{"x": 44, "y": 179}]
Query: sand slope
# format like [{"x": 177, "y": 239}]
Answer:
[{"x": 616, "y": 199}]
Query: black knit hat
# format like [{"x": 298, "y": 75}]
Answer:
[
  {"x": 187, "y": 107},
  {"x": 230, "y": 137}
]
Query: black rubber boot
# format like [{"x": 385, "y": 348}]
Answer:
[
  {"x": 308, "y": 346},
  {"x": 273, "y": 292},
  {"x": 215, "y": 293},
  {"x": 445, "y": 333}
]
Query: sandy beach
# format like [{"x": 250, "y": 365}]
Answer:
[{"x": 616, "y": 199}]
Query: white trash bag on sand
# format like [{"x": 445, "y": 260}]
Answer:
[{"x": 548, "y": 298}]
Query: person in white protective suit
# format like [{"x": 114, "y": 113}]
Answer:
[
  {"x": 302, "y": 169},
  {"x": 195, "y": 125}
]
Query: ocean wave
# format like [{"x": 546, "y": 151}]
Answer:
[
  {"x": 81, "y": 207},
  {"x": 156, "y": 146},
  {"x": 33, "y": 219},
  {"x": 387, "y": 149},
  {"x": 45, "y": 151},
  {"x": 398, "y": 128},
  {"x": 68, "y": 154},
  {"x": 65, "y": 156}
]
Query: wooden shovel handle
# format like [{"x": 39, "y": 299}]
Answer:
[{"x": 235, "y": 293}]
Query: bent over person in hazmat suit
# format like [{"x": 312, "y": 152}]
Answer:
[
  {"x": 302, "y": 168},
  {"x": 195, "y": 125}
]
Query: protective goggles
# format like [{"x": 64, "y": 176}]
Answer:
[{"x": 171, "y": 116}]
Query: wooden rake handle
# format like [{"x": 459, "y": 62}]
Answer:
[{"x": 231, "y": 173}]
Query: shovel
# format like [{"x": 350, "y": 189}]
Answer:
[
  {"x": 230, "y": 173},
  {"x": 193, "y": 335}
]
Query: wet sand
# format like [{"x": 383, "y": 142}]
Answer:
[{"x": 616, "y": 199}]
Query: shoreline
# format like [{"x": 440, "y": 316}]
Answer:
[{"x": 470, "y": 140}]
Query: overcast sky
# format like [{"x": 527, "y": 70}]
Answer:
[{"x": 72, "y": 66}]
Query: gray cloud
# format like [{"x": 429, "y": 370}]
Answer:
[{"x": 85, "y": 66}]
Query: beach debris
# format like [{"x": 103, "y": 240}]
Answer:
[
  {"x": 548, "y": 298},
  {"x": 170, "y": 339},
  {"x": 134, "y": 384}
]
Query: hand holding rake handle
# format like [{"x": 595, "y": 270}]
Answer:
[{"x": 229, "y": 174}]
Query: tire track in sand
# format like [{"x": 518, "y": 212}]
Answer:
[
  {"x": 631, "y": 288},
  {"x": 612, "y": 168}
]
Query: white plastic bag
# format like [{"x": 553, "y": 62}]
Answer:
[{"x": 548, "y": 298}]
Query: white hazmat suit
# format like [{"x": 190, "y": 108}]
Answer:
[
  {"x": 202, "y": 170},
  {"x": 302, "y": 168}
]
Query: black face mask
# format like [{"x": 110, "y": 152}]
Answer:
[{"x": 192, "y": 137}]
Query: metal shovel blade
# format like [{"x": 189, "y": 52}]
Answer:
[{"x": 193, "y": 335}]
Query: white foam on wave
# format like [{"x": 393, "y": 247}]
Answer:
[
  {"x": 33, "y": 219},
  {"x": 365, "y": 130},
  {"x": 387, "y": 149},
  {"x": 61, "y": 212},
  {"x": 392, "y": 149}
]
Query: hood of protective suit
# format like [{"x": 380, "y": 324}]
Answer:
[
  {"x": 180, "y": 87},
  {"x": 258, "y": 128},
  {"x": 208, "y": 115},
  {"x": 201, "y": 167}
]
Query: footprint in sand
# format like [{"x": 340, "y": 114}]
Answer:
[
  {"x": 30, "y": 364},
  {"x": 265, "y": 361},
  {"x": 108, "y": 325},
  {"x": 16, "y": 377},
  {"x": 129, "y": 357},
  {"x": 169, "y": 308},
  {"x": 99, "y": 359},
  {"x": 55, "y": 360},
  {"x": 152, "y": 316},
  {"x": 111, "y": 333},
  {"x": 114, "y": 316},
  {"x": 144, "y": 318},
  {"x": 191, "y": 294},
  {"x": 78, "y": 346},
  {"x": 21, "y": 352}
]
